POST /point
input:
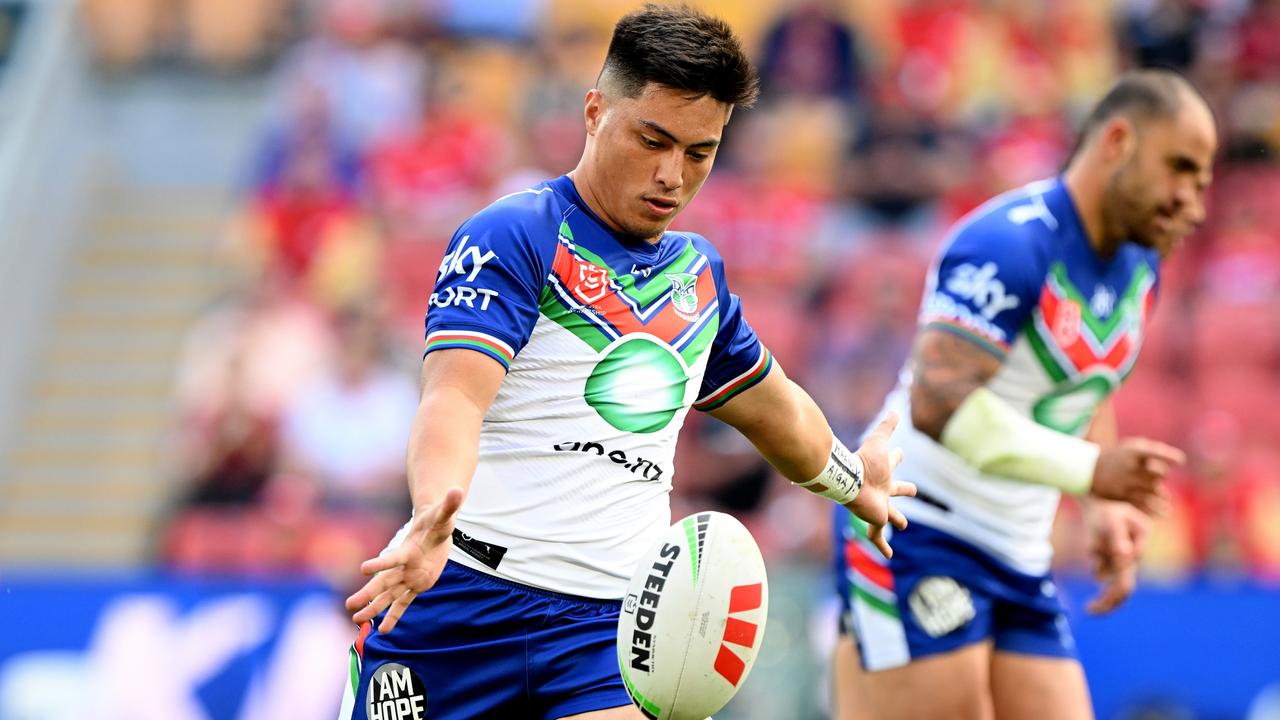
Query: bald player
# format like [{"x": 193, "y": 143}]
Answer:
[{"x": 1033, "y": 316}]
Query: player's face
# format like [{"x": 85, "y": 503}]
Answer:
[
  {"x": 1158, "y": 195},
  {"x": 651, "y": 154}
]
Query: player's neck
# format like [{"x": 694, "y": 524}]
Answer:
[
  {"x": 1086, "y": 193},
  {"x": 582, "y": 182},
  {"x": 586, "y": 187}
]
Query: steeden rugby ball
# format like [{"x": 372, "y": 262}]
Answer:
[{"x": 693, "y": 618}]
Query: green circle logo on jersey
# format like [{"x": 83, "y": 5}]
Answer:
[
  {"x": 1069, "y": 408},
  {"x": 638, "y": 386}
]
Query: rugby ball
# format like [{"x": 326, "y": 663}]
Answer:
[{"x": 693, "y": 618}]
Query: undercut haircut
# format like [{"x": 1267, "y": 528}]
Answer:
[
  {"x": 1141, "y": 96},
  {"x": 683, "y": 49}
]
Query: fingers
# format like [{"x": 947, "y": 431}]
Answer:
[
  {"x": 875, "y": 533},
  {"x": 1154, "y": 450},
  {"x": 377, "y": 604},
  {"x": 1116, "y": 542},
  {"x": 398, "y": 607},
  {"x": 1139, "y": 527},
  {"x": 1155, "y": 466},
  {"x": 1160, "y": 503},
  {"x": 365, "y": 595},
  {"x": 902, "y": 488},
  {"x": 897, "y": 518},
  {"x": 1149, "y": 500},
  {"x": 895, "y": 458},
  {"x": 885, "y": 427},
  {"x": 1115, "y": 591},
  {"x": 383, "y": 562},
  {"x": 445, "y": 510}
]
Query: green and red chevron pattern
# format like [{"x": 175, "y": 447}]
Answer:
[
  {"x": 599, "y": 304},
  {"x": 1070, "y": 340}
]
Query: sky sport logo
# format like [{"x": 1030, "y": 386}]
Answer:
[{"x": 396, "y": 693}]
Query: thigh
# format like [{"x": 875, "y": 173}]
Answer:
[
  {"x": 949, "y": 686},
  {"x": 1036, "y": 687}
]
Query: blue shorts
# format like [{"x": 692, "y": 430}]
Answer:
[
  {"x": 477, "y": 646},
  {"x": 937, "y": 594}
]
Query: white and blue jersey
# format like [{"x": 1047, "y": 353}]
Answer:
[
  {"x": 1019, "y": 278},
  {"x": 608, "y": 342}
]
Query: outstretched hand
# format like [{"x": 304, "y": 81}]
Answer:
[
  {"x": 1134, "y": 471},
  {"x": 1117, "y": 535},
  {"x": 878, "y": 485},
  {"x": 399, "y": 574}
]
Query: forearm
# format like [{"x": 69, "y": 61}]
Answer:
[
  {"x": 794, "y": 437},
  {"x": 443, "y": 445}
]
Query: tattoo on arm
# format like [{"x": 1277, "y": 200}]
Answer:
[{"x": 946, "y": 368}]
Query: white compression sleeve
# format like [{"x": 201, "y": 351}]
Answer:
[{"x": 996, "y": 439}]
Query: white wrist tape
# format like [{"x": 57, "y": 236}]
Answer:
[
  {"x": 993, "y": 437},
  {"x": 841, "y": 479}
]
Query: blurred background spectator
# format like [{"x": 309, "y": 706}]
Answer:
[{"x": 380, "y": 124}]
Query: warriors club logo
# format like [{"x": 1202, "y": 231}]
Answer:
[{"x": 684, "y": 295}]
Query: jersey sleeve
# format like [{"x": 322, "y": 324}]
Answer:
[
  {"x": 984, "y": 285},
  {"x": 738, "y": 359},
  {"x": 486, "y": 292}
]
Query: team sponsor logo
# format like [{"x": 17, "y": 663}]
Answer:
[
  {"x": 1066, "y": 326},
  {"x": 940, "y": 605},
  {"x": 396, "y": 693},
  {"x": 465, "y": 260},
  {"x": 647, "y": 469},
  {"x": 941, "y": 306},
  {"x": 476, "y": 298},
  {"x": 743, "y": 598},
  {"x": 684, "y": 295},
  {"x": 980, "y": 286},
  {"x": 593, "y": 282},
  {"x": 639, "y": 385},
  {"x": 646, "y": 606}
]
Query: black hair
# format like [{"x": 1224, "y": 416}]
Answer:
[
  {"x": 680, "y": 48},
  {"x": 1141, "y": 96}
]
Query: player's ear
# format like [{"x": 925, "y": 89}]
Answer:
[
  {"x": 1119, "y": 139},
  {"x": 593, "y": 110}
]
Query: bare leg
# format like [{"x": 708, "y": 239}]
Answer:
[
  {"x": 950, "y": 686},
  {"x": 1039, "y": 688}
]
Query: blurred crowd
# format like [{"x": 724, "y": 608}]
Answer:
[{"x": 880, "y": 124}]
